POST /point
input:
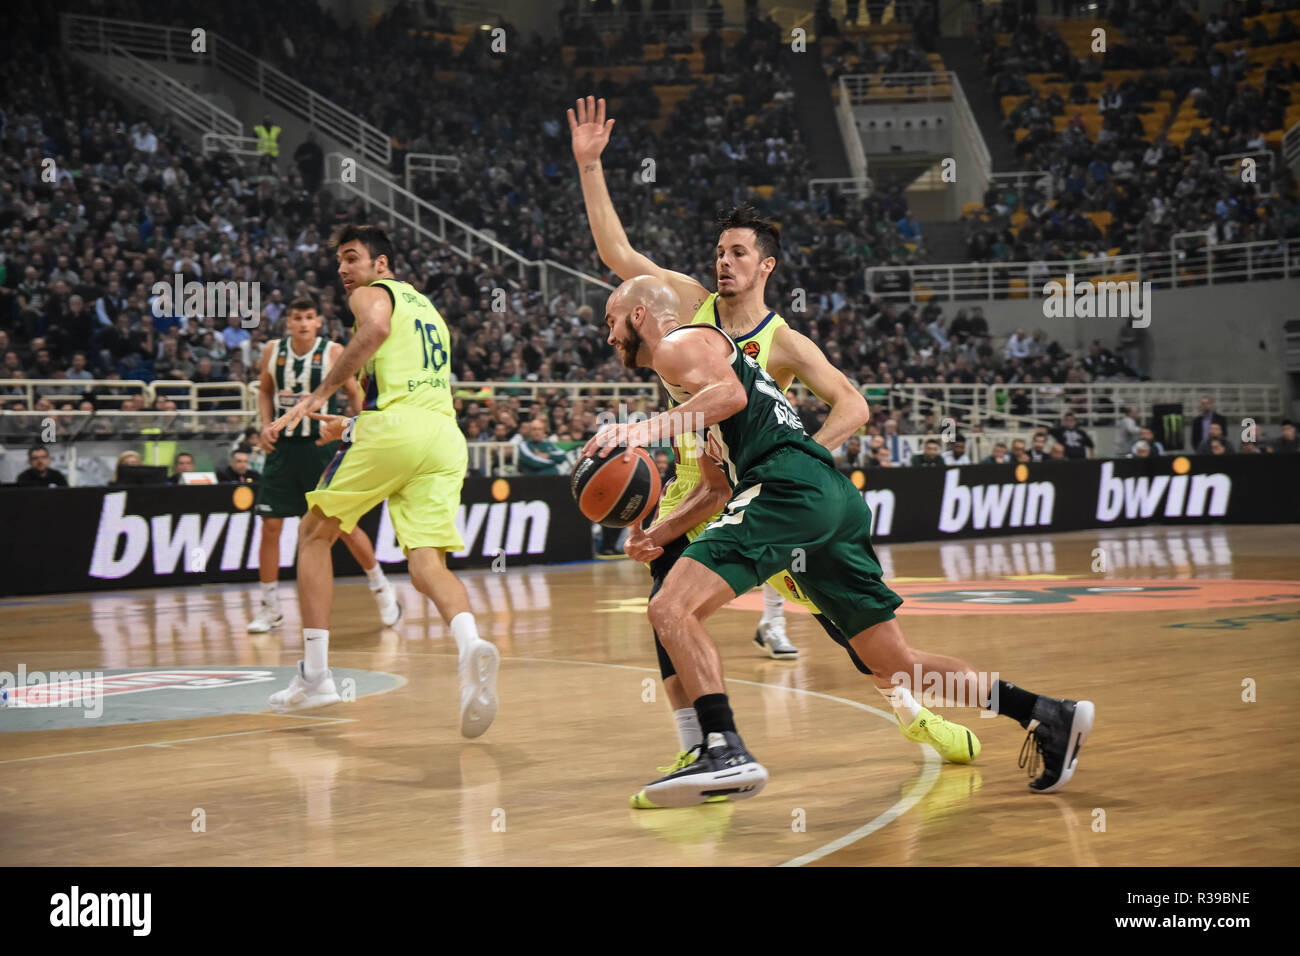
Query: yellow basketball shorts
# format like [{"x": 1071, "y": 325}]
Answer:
[
  {"x": 414, "y": 458},
  {"x": 790, "y": 591}
]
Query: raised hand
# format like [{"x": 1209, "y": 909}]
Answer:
[{"x": 590, "y": 129}]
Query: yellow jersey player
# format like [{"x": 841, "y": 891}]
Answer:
[
  {"x": 747, "y": 250},
  {"x": 404, "y": 446},
  {"x": 292, "y": 366}
]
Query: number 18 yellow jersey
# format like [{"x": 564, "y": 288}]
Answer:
[{"x": 412, "y": 368}]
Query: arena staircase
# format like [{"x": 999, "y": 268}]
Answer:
[
  {"x": 944, "y": 240},
  {"x": 818, "y": 125},
  {"x": 159, "y": 66},
  {"x": 961, "y": 56}
]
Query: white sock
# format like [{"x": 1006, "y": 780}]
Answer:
[
  {"x": 901, "y": 699},
  {"x": 773, "y": 603},
  {"x": 465, "y": 631},
  {"x": 271, "y": 593},
  {"x": 688, "y": 727},
  {"x": 316, "y": 651},
  {"x": 376, "y": 576}
]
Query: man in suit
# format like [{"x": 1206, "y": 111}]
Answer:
[
  {"x": 1208, "y": 416},
  {"x": 1215, "y": 434}
]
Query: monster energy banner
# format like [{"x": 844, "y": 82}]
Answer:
[{"x": 82, "y": 539}]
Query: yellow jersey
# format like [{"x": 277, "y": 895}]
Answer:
[
  {"x": 757, "y": 344},
  {"x": 411, "y": 368}
]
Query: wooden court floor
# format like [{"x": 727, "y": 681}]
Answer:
[{"x": 1171, "y": 640}]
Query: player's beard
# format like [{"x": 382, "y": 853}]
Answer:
[
  {"x": 629, "y": 347},
  {"x": 736, "y": 288}
]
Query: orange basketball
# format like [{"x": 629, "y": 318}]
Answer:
[{"x": 614, "y": 492}]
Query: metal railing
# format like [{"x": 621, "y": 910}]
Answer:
[
  {"x": 969, "y": 130},
  {"x": 981, "y": 413},
  {"x": 151, "y": 41},
  {"x": 1094, "y": 404},
  {"x": 159, "y": 91},
  {"x": 234, "y": 145},
  {"x": 874, "y": 89},
  {"x": 1291, "y": 147},
  {"x": 493, "y": 458},
  {"x": 849, "y": 186},
  {"x": 1025, "y": 179},
  {"x": 866, "y": 89},
  {"x": 1230, "y": 164},
  {"x": 574, "y": 391},
  {"x": 116, "y": 394},
  {"x": 966, "y": 403},
  {"x": 432, "y": 163},
  {"x": 854, "y": 151},
  {"x": 1236, "y": 262},
  {"x": 696, "y": 20},
  {"x": 403, "y": 206}
]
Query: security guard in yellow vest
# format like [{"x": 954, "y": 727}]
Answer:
[{"x": 268, "y": 141}]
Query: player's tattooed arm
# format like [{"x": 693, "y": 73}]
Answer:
[
  {"x": 794, "y": 354},
  {"x": 590, "y": 131}
]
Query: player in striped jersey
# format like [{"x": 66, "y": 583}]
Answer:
[
  {"x": 746, "y": 252},
  {"x": 293, "y": 367}
]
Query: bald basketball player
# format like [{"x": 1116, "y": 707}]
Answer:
[
  {"x": 747, "y": 251},
  {"x": 781, "y": 492}
]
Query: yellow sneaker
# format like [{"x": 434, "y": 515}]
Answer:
[
  {"x": 639, "y": 801},
  {"x": 955, "y": 743}
]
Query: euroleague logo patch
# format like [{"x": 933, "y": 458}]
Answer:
[{"x": 752, "y": 349}]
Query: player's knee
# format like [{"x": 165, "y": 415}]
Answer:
[
  {"x": 314, "y": 528},
  {"x": 665, "y": 607},
  {"x": 887, "y": 658}
]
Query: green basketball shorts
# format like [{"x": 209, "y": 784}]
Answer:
[
  {"x": 795, "y": 512},
  {"x": 292, "y": 470}
]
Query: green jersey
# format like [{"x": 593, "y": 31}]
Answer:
[
  {"x": 299, "y": 375},
  {"x": 766, "y": 423}
]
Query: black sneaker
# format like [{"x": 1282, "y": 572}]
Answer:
[
  {"x": 723, "y": 768},
  {"x": 1056, "y": 733}
]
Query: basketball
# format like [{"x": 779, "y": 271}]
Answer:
[{"x": 614, "y": 492}]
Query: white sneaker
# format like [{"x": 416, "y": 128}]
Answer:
[
  {"x": 390, "y": 611},
  {"x": 268, "y": 616},
  {"x": 478, "y": 688},
  {"x": 302, "y": 693},
  {"x": 770, "y": 636}
]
